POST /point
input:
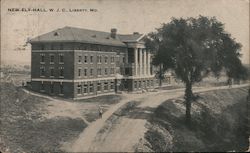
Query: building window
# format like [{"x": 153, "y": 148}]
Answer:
[
  {"x": 106, "y": 59},
  {"x": 42, "y": 58},
  {"x": 117, "y": 60},
  {"x": 112, "y": 71},
  {"x": 105, "y": 85},
  {"x": 79, "y": 89},
  {"x": 91, "y": 88},
  {"x": 112, "y": 59},
  {"x": 91, "y": 72},
  {"x": 152, "y": 83},
  {"x": 91, "y": 59},
  {"x": 85, "y": 88},
  {"x": 112, "y": 85},
  {"x": 99, "y": 59},
  {"x": 139, "y": 84},
  {"x": 79, "y": 72},
  {"x": 106, "y": 71},
  {"x": 61, "y": 72},
  {"x": 42, "y": 71},
  {"x": 61, "y": 59},
  {"x": 42, "y": 87},
  {"x": 52, "y": 72},
  {"x": 85, "y": 59},
  {"x": 99, "y": 86},
  {"x": 79, "y": 59},
  {"x": 135, "y": 86},
  {"x": 99, "y": 71},
  {"x": 61, "y": 89},
  {"x": 52, "y": 88},
  {"x": 123, "y": 59},
  {"x": 52, "y": 59},
  {"x": 85, "y": 72}
]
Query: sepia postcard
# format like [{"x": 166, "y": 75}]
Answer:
[{"x": 124, "y": 76}]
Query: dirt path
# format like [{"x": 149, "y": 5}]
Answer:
[
  {"x": 86, "y": 138},
  {"x": 127, "y": 133}
]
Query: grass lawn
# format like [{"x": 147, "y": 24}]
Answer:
[
  {"x": 34, "y": 124},
  {"x": 218, "y": 123},
  {"x": 24, "y": 128},
  {"x": 105, "y": 102}
]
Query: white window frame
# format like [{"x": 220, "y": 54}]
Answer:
[
  {"x": 79, "y": 71},
  {"x": 61, "y": 89},
  {"x": 99, "y": 84},
  {"x": 52, "y": 86},
  {"x": 85, "y": 86},
  {"x": 86, "y": 58},
  {"x": 51, "y": 76},
  {"x": 104, "y": 85},
  {"x": 42, "y": 85},
  {"x": 91, "y": 62},
  {"x": 92, "y": 88},
  {"x": 99, "y": 70},
  {"x": 105, "y": 71},
  {"x": 42, "y": 67},
  {"x": 106, "y": 59},
  {"x": 50, "y": 55},
  {"x": 79, "y": 60},
  {"x": 112, "y": 84},
  {"x": 61, "y": 68},
  {"x": 91, "y": 73},
  {"x": 60, "y": 58},
  {"x": 42, "y": 62},
  {"x": 79, "y": 86},
  {"x": 112, "y": 59}
]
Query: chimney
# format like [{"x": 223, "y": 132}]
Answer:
[{"x": 113, "y": 33}]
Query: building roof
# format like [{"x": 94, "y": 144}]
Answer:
[{"x": 72, "y": 34}]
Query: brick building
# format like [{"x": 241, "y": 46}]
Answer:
[{"x": 74, "y": 63}]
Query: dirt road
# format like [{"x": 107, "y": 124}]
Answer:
[{"x": 126, "y": 134}]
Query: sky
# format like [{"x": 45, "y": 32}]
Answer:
[{"x": 127, "y": 16}]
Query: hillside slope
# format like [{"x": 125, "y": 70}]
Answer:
[
  {"x": 218, "y": 124},
  {"x": 23, "y": 127}
]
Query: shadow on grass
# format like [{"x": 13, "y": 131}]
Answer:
[
  {"x": 226, "y": 131},
  {"x": 210, "y": 131},
  {"x": 140, "y": 113}
]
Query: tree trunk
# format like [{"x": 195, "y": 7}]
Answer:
[
  {"x": 160, "y": 76},
  {"x": 188, "y": 98},
  {"x": 160, "y": 82}
]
